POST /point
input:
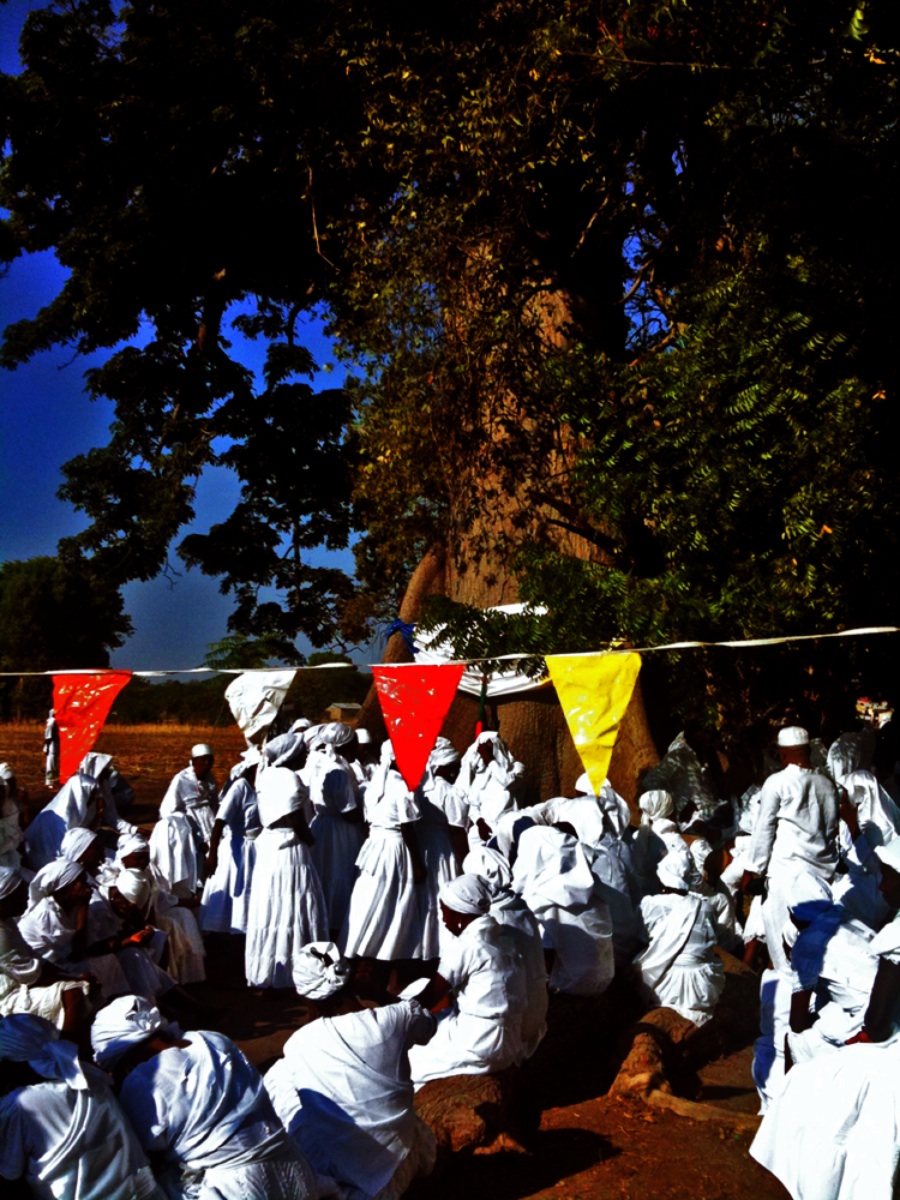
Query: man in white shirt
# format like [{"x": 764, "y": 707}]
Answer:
[{"x": 796, "y": 831}]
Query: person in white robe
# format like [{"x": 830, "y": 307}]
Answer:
[
  {"x": 29, "y": 984},
  {"x": 706, "y": 881},
  {"x": 489, "y": 777},
  {"x": 679, "y": 968},
  {"x": 441, "y": 834},
  {"x": 51, "y": 751},
  {"x": 384, "y": 918},
  {"x": 232, "y": 854},
  {"x": 337, "y": 824},
  {"x": 287, "y": 908},
  {"x": 481, "y": 1032},
  {"x": 554, "y": 878},
  {"x": 193, "y": 796},
  {"x": 77, "y": 804},
  {"x": 520, "y": 924},
  {"x": 61, "y": 1128},
  {"x": 174, "y": 915},
  {"x": 796, "y": 829},
  {"x": 343, "y": 1091},
  {"x": 199, "y": 1107},
  {"x": 657, "y": 834}
]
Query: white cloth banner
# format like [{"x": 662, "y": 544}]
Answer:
[
  {"x": 432, "y": 649},
  {"x": 255, "y": 698}
]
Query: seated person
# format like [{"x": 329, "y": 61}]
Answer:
[
  {"x": 679, "y": 968},
  {"x": 61, "y": 1128},
  {"x": 481, "y": 1032}
]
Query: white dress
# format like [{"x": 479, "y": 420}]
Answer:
[
  {"x": 482, "y": 1032},
  {"x": 287, "y": 908},
  {"x": 333, "y": 792},
  {"x": 384, "y": 918},
  {"x": 226, "y": 894},
  {"x": 441, "y": 805}
]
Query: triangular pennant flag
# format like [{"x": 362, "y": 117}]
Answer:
[
  {"x": 414, "y": 700},
  {"x": 255, "y": 698},
  {"x": 594, "y": 691},
  {"x": 82, "y": 703}
]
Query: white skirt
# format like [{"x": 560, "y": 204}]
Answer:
[
  {"x": 337, "y": 846},
  {"x": 440, "y": 862},
  {"x": 287, "y": 909},
  {"x": 226, "y": 893},
  {"x": 384, "y": 919}
]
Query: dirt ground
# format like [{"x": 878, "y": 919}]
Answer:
[{"x": 594, "y": 1148}]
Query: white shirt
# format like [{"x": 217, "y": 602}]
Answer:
[{"x": 797, "y": 823}]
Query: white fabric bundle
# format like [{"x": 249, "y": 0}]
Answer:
[
  {"x": 125, "y": 1022},
  {"x": 654, "y": 805},
  {"x": 319, "y": 971},
  {"x": 31, "y": 1039},
  {"x": 134, "y": 886}
]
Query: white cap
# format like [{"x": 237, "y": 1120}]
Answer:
[
  {"x": 793, "y": 735},
  {"x": 364, "y": 737},
  {"x": 201, "y": 750}
]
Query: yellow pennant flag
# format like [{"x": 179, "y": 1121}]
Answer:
[{"x": 594, "y": 691}]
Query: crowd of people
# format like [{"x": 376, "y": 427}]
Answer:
[{"x": 427, "y": 931}]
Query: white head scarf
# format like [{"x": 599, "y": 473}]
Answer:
[
  {"x": 134, "y": 886},
  {"x": 674, "y": 870},
  {"x": 125, "y": 1022},
  {"x": 94, "y": 764},
  {"x": 10, "y": 879},
  {"x": 656, "y": 805},
  {"x": 75, "y": 842},
  {"x": 334, "y": 733},
  {"x": 131, "y": 843},
  {"x": 466, "y": 894},
  {"x": 53, "y": 877},
  {"x": 491, "y": 866},
  {"x": 844, "y": 756},
  {"x": 31, "y": 1039},
  {"x": 6, "y": 772},
  {"x": 319, "y": 971},
  {"x": 444, "y": 754},
  {"x": 279, "y": 792}
]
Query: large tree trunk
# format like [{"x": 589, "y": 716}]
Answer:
[{"x": 532, "y": 724}]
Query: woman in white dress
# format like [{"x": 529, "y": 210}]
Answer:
[
  {"x": 337, "y": 828},
  {"x": 384, "y": 918},
  {"x": 287, "y": 905},
  {"x": 232, "y": 854},
  {"x": 441, "y": 833}
]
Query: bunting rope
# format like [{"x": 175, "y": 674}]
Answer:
[{"x": 615, "y": 648}]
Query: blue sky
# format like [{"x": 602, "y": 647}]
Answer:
[{"x": 46, "y": 418}]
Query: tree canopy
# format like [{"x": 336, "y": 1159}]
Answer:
[{"x": 617, "y": 278}]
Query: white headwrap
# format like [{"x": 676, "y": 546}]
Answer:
[
  {"x": 319, "y": 971},
  {"x": 134, "y": 886},
  {"x": 700, "y": 850},
  {"x": 466, "y": 894},
  {"x": 94, "y": 764},
  {"x": 279, "y": 792},
  {"x": 75, "y": 842},
  {"x": 844, "y": 756},
  {"x": 654, "y": 805},
  {"x": 674, "y": 870},
  {"x": 444, "y": 754},
  {"x": 309, "y": 734},
  {"x": 125, "y": 1022},
  {"x": 10, "y": 879},
  {"x": 300, "y": 724},
  {"x": 6, "y": 772},
  {"x": 491, "y": 866},
  {"x": 131, "y": 843},
  {"x": 334, "y": 733},
  {"x": 31, "y": 1039},
  {"x": 53, "y": 877}
]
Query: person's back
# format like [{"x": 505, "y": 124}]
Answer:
[{"x": 798, "y": 821}]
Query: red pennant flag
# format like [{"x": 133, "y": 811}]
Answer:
[
  {"x": 415, "y": 699},
  {"x": 82, "y": 703}
]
